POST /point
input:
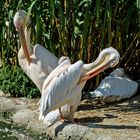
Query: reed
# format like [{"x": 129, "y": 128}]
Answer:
[{"x": 78, "y": 29}]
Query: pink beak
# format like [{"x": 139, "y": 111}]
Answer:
[
  {"x": 100, "y": 68},
  {"x": 24, "y": 44}
]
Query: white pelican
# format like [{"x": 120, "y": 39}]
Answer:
[
  {"x": 65, "y": 83},
  {"x": 37, "y": 62},
  {"x": 115, "y": 87}
]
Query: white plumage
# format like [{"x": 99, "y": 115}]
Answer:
[
  {"x": 62, "y": 87},
  {"x": 65, "y": 83},
  {"x": 37, "y": 62},
  {"x": 54, "y": 116},
  {"x": 115, "y": 87},
  {"x": 41, "y": 65}
]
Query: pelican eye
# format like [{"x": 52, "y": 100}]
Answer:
[{"x": 113, "y": 63}]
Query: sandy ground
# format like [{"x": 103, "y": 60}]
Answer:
[
  {"x": 116, "y": 121},
  {"x": 120, "y": 120}
]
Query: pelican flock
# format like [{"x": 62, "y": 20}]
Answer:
[
  {"x": 64, "y": 84},
  {"x": 60, "y": 83}
]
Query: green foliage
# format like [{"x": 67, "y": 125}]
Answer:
[
  {"x": 78, "y": 29},
  {"x": 13, "y": 80}
]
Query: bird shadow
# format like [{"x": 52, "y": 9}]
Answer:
[
  {"x": 90, "y": 105},
  {"x": 94, "y": 119},
  {"x": 89, "y": 119},
  {"x": 125, "y": 106},
  {"x": 87, "y": 122},
  {"x": 110, "y": 126}
]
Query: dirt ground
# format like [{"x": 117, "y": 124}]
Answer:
[
  {"x": 115, "y": 121},
  {"x": 120, "y": 120}
]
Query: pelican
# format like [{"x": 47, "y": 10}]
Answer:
[
  {"x": 115, "y": 87},
  {"x": 37, "y": 62},
  {"x": 64, "y": 84}
]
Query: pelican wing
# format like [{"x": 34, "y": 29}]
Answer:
[
  {"x": 58, "y": 90},
  {"x": 54, "y": 115},
  {"x": 47, "y": 60},
  {"x": 115, "y": 88}
]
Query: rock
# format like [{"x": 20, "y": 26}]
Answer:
[
  {"x": 36, "y": 125},
  {"x": 22, "y": 117},
  {"x": 1, "y": 93},
  {"x": 104, "y": 137},
  {"x": 65, "y": 131},
  {"x": 97, "y": 125},
  {"x": 20, "y": 105},
  {"x": 6, "y": 105}
]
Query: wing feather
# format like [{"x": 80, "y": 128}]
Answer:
[
  {"x": 117, "y": 88},
  {"x": 59, "y": 87},
  {"x": 47, "y": 59}
]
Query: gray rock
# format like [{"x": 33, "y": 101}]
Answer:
[
  {"x": 104, "y": 137},
  {"x": 36, "y": 125},
  {"x": 22, "y": 117},
  {"x": 6, "y": 105},
  {"x": 65, "y": 131},
  {"x": 1, "y": 93},
  {"x": 110, "y": 128},
  {"x": 21, "y": 105}
]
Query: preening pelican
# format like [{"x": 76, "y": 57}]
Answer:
[
  {"x": 37, "y": 62},
  {"x": 65, "y": 83},
  {"x": 115, "y": 87}
]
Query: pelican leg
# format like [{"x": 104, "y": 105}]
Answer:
[
  {"x": 71, "y": 118},
  {"x": 61, "y": 115},
  {"x": 41, "y": 116}
]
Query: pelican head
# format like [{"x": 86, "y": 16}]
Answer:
[
  {"x": 21, "y": 22},
  {"x": 107, "y": 58},
  {"x": 21, "y": 18},
  {"x": 111, "y": 56}
]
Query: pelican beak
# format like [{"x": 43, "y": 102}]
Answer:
[
  {"x": 24, "y": 44},
  {"x": 105, "y": 64}
]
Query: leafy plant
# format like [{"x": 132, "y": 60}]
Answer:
[
  {"x": 78, "y": 29},
  {"x": 15, "y": 82}
]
